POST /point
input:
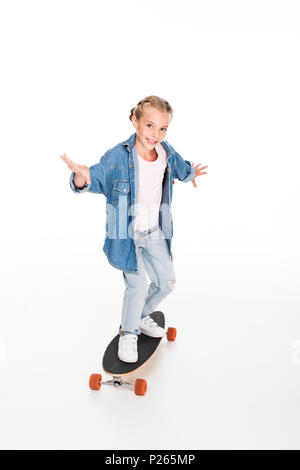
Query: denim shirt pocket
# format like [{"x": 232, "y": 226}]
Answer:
[{"x": 120, "y": 192}]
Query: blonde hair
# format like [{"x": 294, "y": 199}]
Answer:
[{"x": 155, "y": 101}]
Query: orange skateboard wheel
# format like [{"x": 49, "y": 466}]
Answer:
[
  {"x": 140, "y": 386},
  {"x": 171, "y": 334},
  {"x": 95, "y": 381}
]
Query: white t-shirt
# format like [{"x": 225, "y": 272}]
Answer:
[{"x": 150, "y": 189}]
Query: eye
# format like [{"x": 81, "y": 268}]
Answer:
[{"x": 163, "y": 128}]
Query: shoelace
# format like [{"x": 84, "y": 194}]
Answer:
[
  {"x": 131, "y": 341},
  {"x": 150, "y": 322}
]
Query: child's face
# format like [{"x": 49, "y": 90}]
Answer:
[{"x": 152, "y": 126}]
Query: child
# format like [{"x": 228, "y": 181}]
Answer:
[{"x": 136, "y": 177}]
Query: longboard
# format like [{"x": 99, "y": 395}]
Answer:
[{"x": 118, "y": 369}]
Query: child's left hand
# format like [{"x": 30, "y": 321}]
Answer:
[{"x": 198, "y": 172}]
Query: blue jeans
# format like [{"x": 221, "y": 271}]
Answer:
[{"x": 140, "y": 298}]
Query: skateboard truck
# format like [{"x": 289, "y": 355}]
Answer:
[
  {"x": 139, "y": 387},
  {"x": 117, "y": 382}
]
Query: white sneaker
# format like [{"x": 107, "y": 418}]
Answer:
[
  {"x": 150, "y": 328},
  {"x": 127, "y": 350}
]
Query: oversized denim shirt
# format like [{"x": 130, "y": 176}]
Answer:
[{"x": 116, "y": 177}]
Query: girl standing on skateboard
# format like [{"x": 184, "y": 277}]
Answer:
[{"x": 136, "y": 176}]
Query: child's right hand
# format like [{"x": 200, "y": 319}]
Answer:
[{"x": 81, "y": 170}]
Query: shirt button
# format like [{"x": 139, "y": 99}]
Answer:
[{"x": 124, "y": 190}]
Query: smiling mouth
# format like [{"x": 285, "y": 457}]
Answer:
[{"x": 152, "y": 142}]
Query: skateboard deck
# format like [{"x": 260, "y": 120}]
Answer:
[{"x": 118, "y": 369}]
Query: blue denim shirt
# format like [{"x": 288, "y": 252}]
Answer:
[{"x": 116, "y": 176}]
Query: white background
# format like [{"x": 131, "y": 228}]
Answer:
[{"x": 70, "y": 73}]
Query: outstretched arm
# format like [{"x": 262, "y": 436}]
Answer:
[
  {"x": 81, "y": 172},
  {"x": 182, "y": 169},
  {"x": 198, "y": 172},
  {"x": 93, "y": 179},
  {"x": 185, "y": 171}
]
